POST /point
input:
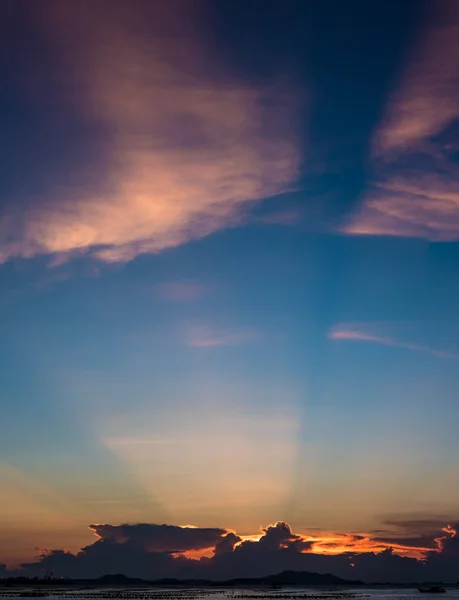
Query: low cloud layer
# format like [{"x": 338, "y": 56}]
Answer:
[
  {"x": 403, "y": 550},
  {"x": 159, "y": 538},
  {"x": 184, "y": 146}
]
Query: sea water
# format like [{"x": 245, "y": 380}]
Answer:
[{"x": 287, "y": 593}]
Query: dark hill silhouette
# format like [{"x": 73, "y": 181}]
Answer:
[
  {"x": 118, "y": 579},
  {"x": 303, "y": 578}
]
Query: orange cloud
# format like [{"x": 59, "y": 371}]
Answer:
[
  {"x": 187, "y": 154},
  {"x": 332, "y": 543},
  {"x": 198, "y": 554},
  {"x": 441, "y": 540}
]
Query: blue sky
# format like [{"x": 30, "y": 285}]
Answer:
[{"x": 228, "y": 242}]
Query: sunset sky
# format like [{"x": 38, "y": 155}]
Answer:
[{"x": 229, "y": 280}]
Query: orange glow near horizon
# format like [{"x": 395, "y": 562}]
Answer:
[
  {"x": 440, "y": 540},
  {"x": 448, "y": 529},
  {"x": 197, "y": 554},
  {"x": 324, "y": 543},
  {"x": 250, "y": 538},
  {"x": 331, "y": 544},
  {"x": 340, "y": 543}
]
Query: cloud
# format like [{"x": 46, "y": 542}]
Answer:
[
  {"x": 160, "y": 538},
  {"x": 30, "y": 509},
  {"x": 333, "y": 544},
  {"x": 414, "y": 188},
  {"x": 186, "y": 147},
  {"x": 415, "y": 533},
  {"x": 142, "y": 549},
  {"x": 146, "y": 550},
  {"x": 357, "y": 332},
  {"x": 280, "y": 535},
  {"x": 419, "y": 525},
  {"x": 449, "y": 542},
  {"x": 226, "y": 543},
  {"x": 426, "y": 101},
  {"x": 421, "y": 204}
]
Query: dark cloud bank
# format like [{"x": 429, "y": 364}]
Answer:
[{"x": 155, "y": 551}]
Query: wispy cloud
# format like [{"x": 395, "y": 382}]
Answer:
[
  {"x": 358, "y": 332},
  {"x": 417, "y": 204},
  {"x": 415, "y": 187},
  {"x": 426, "y": 99},
  {"x": 187, "y": 152}
]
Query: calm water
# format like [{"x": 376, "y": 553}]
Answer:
[{"x": 296, "y": 593}]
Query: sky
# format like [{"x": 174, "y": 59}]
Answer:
[{"x": 229, "y": 280}]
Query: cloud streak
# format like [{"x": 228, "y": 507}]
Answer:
[
  {"x": 187, "y": 150},
  {"x": 354, "y": 333},
  {"x": 414, "y": 190}
]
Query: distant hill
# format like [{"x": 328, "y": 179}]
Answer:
[
  {"x": 294, "y": 578},
  {"x": 118, "y": 579},
  {"x": 303, "y": 578}
]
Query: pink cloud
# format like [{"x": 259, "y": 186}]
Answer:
[
  {"x": 358, "y": 332},
  {"x": 426, "y": 99},
  {"x": 415, "y": 188},
  {"x": 425, "y": 207},
  {"x": 187, "y": 155}
]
